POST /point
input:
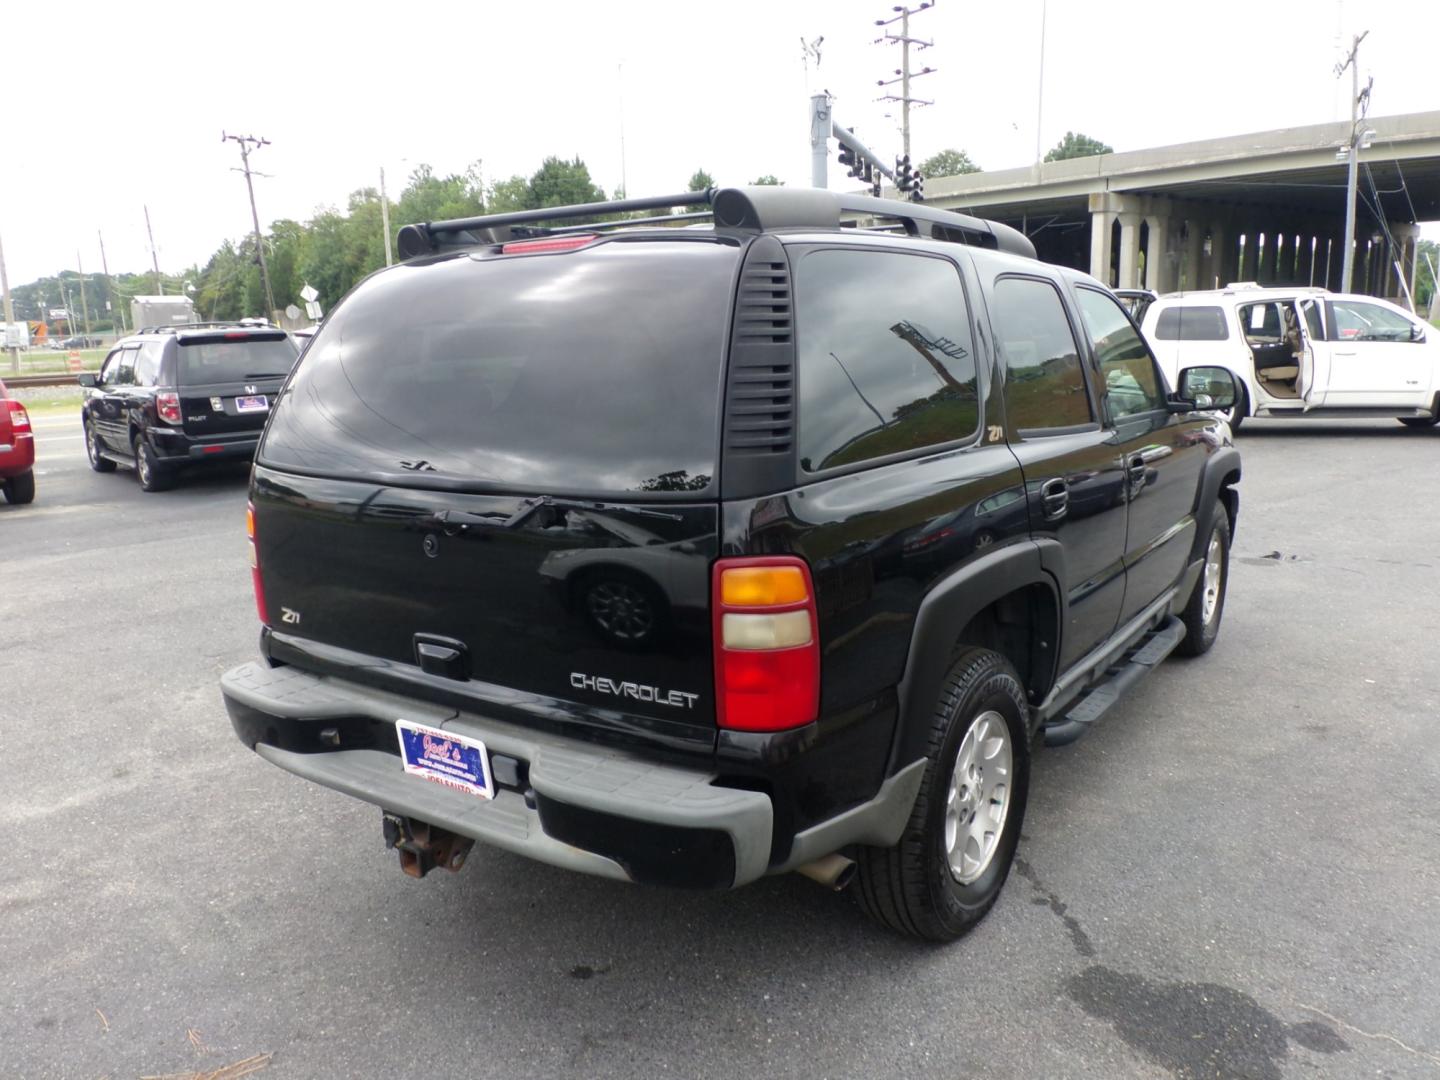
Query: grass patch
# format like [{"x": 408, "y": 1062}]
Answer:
[{"x": 50, "y": 400}]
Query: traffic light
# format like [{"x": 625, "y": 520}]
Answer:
[
  {"x": 904, "y": 176},
  {"x": 917, "y": 187},
  {"x": 847, "y": 157}
]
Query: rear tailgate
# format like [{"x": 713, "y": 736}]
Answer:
[
  {"x": 492, "y": 482},
  {"x": 228, "y": 380}
]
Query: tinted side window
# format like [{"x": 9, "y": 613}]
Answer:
[
  {"x": 125, "y": 373},
  {"x": 1044, "y": 382},
  {"x": 886, "y": 360},
  {"x": 147, "y": 363},
  {"x": 1191, "y": 324},
  {"x": 109, "y": 368},
  {"x": 1131, "y": 385}
]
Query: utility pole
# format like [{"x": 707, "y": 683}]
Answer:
[
  {"x": 246, "y": 142},
  {"x": 9, "y": 313},
  {"x": 154, "y": 256},
  {"x": 111, "y": 300},
  {"x": 384, "y": 222},
  {"x": 1357, "y": 114},
  {"x": 903, "y": 73},
  {"x": 84, "y": 304},
  {"x": 1040, "y": 96}
]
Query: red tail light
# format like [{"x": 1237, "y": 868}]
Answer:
[
  {"x": 552, "y": 243},
  {"x": 167, "y": 406},
  {"x": 19, "y": 418},
  {"x": 255, "y": 565},
  {"x": 767, "y": 644}
]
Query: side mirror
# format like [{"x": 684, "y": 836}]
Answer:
[
  {"x": 1207, "y": 388},
  {"x": 87, "y": 378}
]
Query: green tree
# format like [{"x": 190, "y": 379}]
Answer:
[
  {"x": 1425, "y": 276},
  {"x": 507, "y": 196},
  {"x": 768, "y": 180},
  {"x": 428, "y": 197},
  {"x": 948, "y": 163},
  {"x": 562, "y": 183},
  {"x": 1075, "y": 145},
  {"x": 701, "y": 181}
]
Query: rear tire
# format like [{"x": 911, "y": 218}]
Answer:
[
  {"x": 1420, "y": 421},
  {"x": 1206, "y": 605},
  {"x": 20, "y": 489},
  {"x": 98, "y": 462},
  {"x": 946, "y": 871},
  {"x": 152, "y": 475}
]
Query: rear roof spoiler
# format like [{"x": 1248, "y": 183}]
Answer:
[{"x": 749, "y": 210}]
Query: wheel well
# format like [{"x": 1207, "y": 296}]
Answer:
[
  {"x": 1022, "y": 626},
  {"x": 1229, "y": 497}
]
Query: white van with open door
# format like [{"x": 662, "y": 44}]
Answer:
[{"x": 1303, "y": 352}]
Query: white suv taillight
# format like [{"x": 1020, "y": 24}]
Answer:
[
  {"x": 167, "y": 406},
  {"x": 767, "y": 644}
]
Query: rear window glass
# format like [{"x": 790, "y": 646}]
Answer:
[
  {"x": 1044, "y": 383},
  {"x": 589, "y": 371},
  {"x": 1191, "y": 324},
  {"x": 234, "y": 361}
]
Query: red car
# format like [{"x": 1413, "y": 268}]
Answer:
[{"x": 17, "y": 450}]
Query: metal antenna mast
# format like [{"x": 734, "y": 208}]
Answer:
[
  {"x": 903, "y": 74},
  {"x": 246, "y": 142},
  {"x": 1359, "y": 103}
]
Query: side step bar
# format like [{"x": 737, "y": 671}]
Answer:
[
  {"x": 123, "y": 460},
  {"x": 1119, "y": 678}
]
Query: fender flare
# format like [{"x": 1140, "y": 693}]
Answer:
[
  {"x": 947, "y": 609},
  {"x": 1221, "y": 471}
]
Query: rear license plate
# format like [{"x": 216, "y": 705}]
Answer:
[
  {"x": 445, "y": 758},
  {"x": 258, "y": 403}
]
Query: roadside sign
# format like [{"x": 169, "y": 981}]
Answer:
[
  {"x": 309, "y": 294},
  {"x": 73, "y": 360},
  {"x": 312, "y": 309},
  {"x": 291, "y": 311}
]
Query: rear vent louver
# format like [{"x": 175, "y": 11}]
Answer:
[
  {"x": 762, "y": 380},
  {"x": 760, "y": 397}
]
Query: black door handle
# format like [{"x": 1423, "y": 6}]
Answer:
[{"x": 1054, "y": 498}]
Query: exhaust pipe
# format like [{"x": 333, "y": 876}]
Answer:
[{"x": 833, "y": 871}]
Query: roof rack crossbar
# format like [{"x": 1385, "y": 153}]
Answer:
[{"x": 748, "y": 210}]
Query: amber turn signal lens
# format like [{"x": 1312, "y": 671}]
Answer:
[
  {"x": 762, "y": 586},
  {"x": 250, "y": 522}
]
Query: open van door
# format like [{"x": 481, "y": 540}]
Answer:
[{"x": 1314, "y": 360}]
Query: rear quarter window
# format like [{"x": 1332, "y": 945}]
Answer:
[{"x": 1191, "y": 324}]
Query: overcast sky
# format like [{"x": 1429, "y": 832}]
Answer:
[{"x": 110, "y": 107}]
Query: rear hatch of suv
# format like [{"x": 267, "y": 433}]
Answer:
[
  {"x": 491, "y": 483},
  {"x": 229, "y": 378}
]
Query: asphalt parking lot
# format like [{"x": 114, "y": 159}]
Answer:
[{"x": 1236, "y": 875}]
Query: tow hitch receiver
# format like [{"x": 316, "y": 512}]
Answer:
[{"x": 423, "y": 846}]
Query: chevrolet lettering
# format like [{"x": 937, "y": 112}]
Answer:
[{"x": 678, "y": 699}]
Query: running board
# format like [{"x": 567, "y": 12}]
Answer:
[
  {"x": 1119, "y": 678},
  {"x": 123, "y": 460}
]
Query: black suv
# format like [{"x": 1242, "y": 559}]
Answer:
[
  {"x": 171, "y": 397},
  {"x": 685, "y": 555}
]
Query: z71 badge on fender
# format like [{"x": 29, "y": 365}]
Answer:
[{"x": 678, "y": 699}]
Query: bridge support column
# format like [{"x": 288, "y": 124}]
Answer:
[
  {"x": 1191, "y": 255},
  {"x": 1129, "y": 250},
  {"x": 1102, "y": 223},
  {"x": 1157, "y": 255}
]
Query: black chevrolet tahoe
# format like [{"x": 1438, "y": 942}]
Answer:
[
  {"x": 770, "y": 532},
  {"x": 171, "y": 398}
]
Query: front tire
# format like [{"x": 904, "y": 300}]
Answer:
[
  {"x": 1207, "y": 603},
  {"x": 98, "y": 461},
  {"x": 947, "y": 870},
  {"x": 152, "y": 475},
  {"x": 20, "y": 489}
]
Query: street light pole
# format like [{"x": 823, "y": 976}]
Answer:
[
  {"x": 9, "y": 313},
  {"x": 385, "y": 217}
]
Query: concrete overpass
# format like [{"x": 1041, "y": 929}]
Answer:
[{"x": 1267, "y": 207}]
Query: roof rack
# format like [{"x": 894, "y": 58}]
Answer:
[
  {"x": 733, "y": 210},
  {"x": 175, "y": 328}
]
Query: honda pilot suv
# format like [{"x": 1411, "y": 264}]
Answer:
[
  {"x": 173, "y": 397},
  {"x": 686, "y": 555}
]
